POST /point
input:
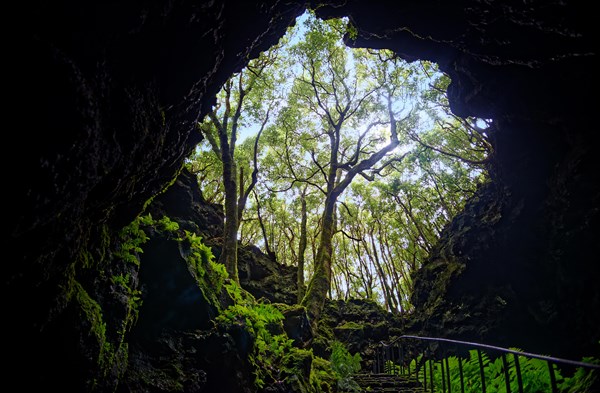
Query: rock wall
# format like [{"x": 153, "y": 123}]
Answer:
[
  {"x": 259, "y": 275},
  {"x": 107, "y": 95}
]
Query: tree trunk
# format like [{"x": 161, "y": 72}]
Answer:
[
  {"x": 263, "y": 229},
  {"x": 302, "y": 247},
  {"x": 319, "y": 285},
  {"x": 230, "y": 243}
]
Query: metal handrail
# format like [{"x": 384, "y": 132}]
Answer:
[{"x": 387, "y": 353}]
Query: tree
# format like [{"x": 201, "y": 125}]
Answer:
[
  {"x": 355, "y": 186},
  {"x": 339, "y": 98},
  {"x": 247, "y": 97}
]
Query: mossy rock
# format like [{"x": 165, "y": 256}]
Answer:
[
  {"x": 298, "y": 362},
  {"x": 350, "y": 332},
  {"x": 296, "y": 324},
  {"x": 351, "y": 325},
  {"x": 320, "y": 346},
  {"x": 322, "y": 377}
]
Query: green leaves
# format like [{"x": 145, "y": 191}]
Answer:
[
  {"x": 332, "y": 107},
  {"x": 131, "y": 239},
  {"x": 264, "y": 323},
  {"x": 534, "y": 373},
  {"x": 345, "y": 365}
]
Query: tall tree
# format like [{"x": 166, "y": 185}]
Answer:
[
  {"x": 350, "y": 116},
  {"x": 246, "y": 99},
  {"x": 370, "y": 232}
]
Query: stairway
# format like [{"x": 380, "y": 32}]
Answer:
[{"x": 387, "y": 383}]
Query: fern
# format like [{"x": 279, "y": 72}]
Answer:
[
  {"x": 534, "y": 373},
  {"x": 345, "y": 365},
  {"x": 271, "y": 352},
  {"x": 131, "y": 239}
]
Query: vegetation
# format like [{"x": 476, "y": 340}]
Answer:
[
  {"x": 241, "y": 101},
  {"x": 534, "y": 373},
  {"x": 132, "y": 237},
  {"x": 344, "y": 162},
  {"x": 345, "y": 365},
  {"x": 272, "y": 355}
]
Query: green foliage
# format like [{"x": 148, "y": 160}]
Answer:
[
  {"x": 264, "y": 323},
  {"x": 273, "y": 357},
  {"x": 166, "y": 224},
  {"x": 134, "y": 301},
  {"x": 351, "y": 31},
  {"x": 582, "y": 380},
  {"x": 344, "y": 365},
  {"x": 534, "y": 372},
  {"x": 322, "y": 378},
  {"x": 208, "y": 273},
  {"x": 131, "y": 239}
]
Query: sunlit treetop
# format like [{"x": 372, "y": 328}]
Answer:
[{"x": 352, "y": 151}]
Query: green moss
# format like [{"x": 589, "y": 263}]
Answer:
[
  {"x": 298, "y": 362},
  {"x": 322, "y": 376},
  {"x": 134, "y": 302},
  {"x": 294, "y": 309},
  {"x": 131, "y": 238},
  {"x": 351, "y": 325},
  {"x": 237, "y": 294},
  {"x": 209, "y": 274},
  {"x": 165, "y": 188},
  {"x": 92, "y": 312},
  {"x": 268, "y": 349},
  {"x": 112, "y": 350}
]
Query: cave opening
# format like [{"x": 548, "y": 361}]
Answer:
[
  {"x": 117, "y": 90},
  {"x": 278, "y": 120}
]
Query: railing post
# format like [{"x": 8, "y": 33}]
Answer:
[
  {"x": 518, "y": 368},
  {"x": 443, "y": 376},
  {"x": 448, "y": 374},
  {"x": 481, "y": 371},
  {"x": 402, "y": 359},
  {"x": 552, "y": 377},
  {"x": 460, "y": 370},
  {"x": 431, "y": 375},
  {"x": 424, "y": 372},
  {"x": 506, "y": 376},
  {"x": 399, "y": 353},
  {"x": 393, "y": 358}
]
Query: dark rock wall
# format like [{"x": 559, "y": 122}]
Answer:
[
  {"x": 104, "y": 96},
  {"x": 173, "y": 346}
]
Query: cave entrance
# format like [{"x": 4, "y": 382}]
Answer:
[{"x": 312, "y": 114}]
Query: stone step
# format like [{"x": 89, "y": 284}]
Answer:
[{"x": 385, "y": 383}]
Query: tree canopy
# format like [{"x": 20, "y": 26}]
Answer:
[{"x": 348, "y": 165}]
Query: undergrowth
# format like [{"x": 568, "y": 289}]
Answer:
[{"x": 535, "y": 374}]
